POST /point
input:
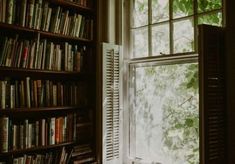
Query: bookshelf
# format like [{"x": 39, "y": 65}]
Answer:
[{"x": 48, "y": 81}]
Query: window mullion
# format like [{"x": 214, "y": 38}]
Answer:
[
  {"x": 150, "y": 27},
  {"x": 171, "y": 28},
  {"x": 195, "y": 21}
]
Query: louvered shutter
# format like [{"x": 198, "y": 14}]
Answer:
[
  {"x": 212, "y": 95},
  {"x": 111, "y": 105}
]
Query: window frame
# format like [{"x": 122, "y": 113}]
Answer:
[{"x": 128, "y": 60}]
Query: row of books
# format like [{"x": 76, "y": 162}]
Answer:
[
  {"x": 60, "y": 156},
  {"x": 40, "y": 54},
  {"x": 85, "y": 3},
  {"x": 41, "y": 93},
  {"x": 39, "y": 15},
  {"x": 30, "y": 133}
]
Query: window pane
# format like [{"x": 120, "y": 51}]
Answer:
[
  {"x": 140, "y": 13},
  {"x": 208, "y": 5},
  {"x": 183, "y": 36},
  {"x": 211, "y": 19},
  {"x": 140, "y": 42},
  {"x": 160, "y": 39},
  {"x": 166, "y": 114},
  {"x": 160, "y": 10},
  {"x": 182, "y": 8}
]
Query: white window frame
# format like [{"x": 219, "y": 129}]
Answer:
[{"x": 128, "y": 61}]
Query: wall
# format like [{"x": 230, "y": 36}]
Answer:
[{"x": 109, "y": 23}]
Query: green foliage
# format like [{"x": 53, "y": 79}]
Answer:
[
  {"x": 183, "y": 6},
  {"x": 207, "y": 5}
]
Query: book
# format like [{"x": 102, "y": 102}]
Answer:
[
  {"x": 52, "y": 131},
  {"x": 12, "y": 96},
  {"x": 3, "y": 94},
  {"x": 28, "y": 96},
  {"x": 30, "y": 13},
  {"x": 26, "y": 134},
  {"x": 23, "y": 12},
  {"x": 9, "y": 15},
  {"x": 4, "y": 137},
  {"x": 4, "y": 9}
]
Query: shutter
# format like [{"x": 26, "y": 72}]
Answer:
[
  {"x": 111, "y": 105},
  {"x": 212, "y": 95}
]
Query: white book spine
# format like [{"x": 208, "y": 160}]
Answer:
[
  {"x": 52, "y": 131},
  {"x": 48, "y": 19},
  {"x": 30, "y": 136}
]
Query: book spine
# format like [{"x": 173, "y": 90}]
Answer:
[
  {"x": 31, "y": 13},
  {"x": 23, "y": 12},
  {"x": 57, "y": 130},
  {"x": 10, "y": 11},
  {"x": 22, "y": 94},
  {"x": 26, "y": 134},
  {"x": 12, "y": 96},
  {"x": 28, "y": 96},
  {"x": 30, "y": 136},
  {"x": 37, "y": 133},
  {"x": 52, "y": 131},
  {"x": 3, "y": 94},
  {"x": 54, "y": 90},
  {"x": 21, "y": 144},
  {"x": 43, "y": 132},
  {"x": 4, "y": 136},
  {"x": 15, "y": 132}
]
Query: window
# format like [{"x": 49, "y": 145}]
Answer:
[
  {"x": 169, "y": 26},
  {"x": 163, "y": 102}
]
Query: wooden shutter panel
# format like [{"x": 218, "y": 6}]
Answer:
[
  {"x": 212, "y": 95},
  {"x": 111, "y": 105}
]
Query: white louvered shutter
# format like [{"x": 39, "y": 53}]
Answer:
[{"x": 111, "y": 104}]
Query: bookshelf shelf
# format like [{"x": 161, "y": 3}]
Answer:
[
  {"x": 36, "y": 149},
  {"x": 39, "y": 110},
  {"x": 45, "y": 34},
  {"x": 24, "y": 72}
]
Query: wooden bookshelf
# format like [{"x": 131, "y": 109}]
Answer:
[{"x": 84, "y": 43}]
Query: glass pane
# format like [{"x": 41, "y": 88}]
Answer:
[
  {"x": 166, "y": 114},
  {"x": 140, "y": 42},
  {"x": 160, "y": 39},
  {"x": 211, "y": 19},
  {"x": 208, "y": 5},
  {"x": 183, "y": 36},
  {"x": 182, "y": 8},
  {"x": 140, "y": 13},
  {"x": 160, "y": 10}
]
